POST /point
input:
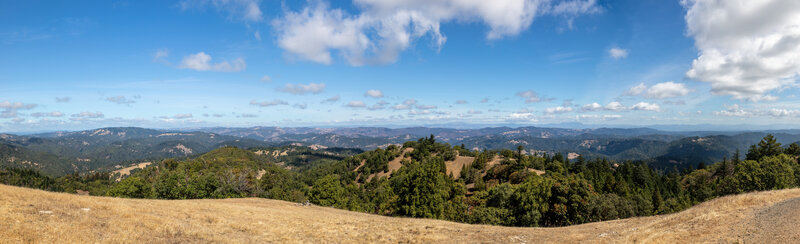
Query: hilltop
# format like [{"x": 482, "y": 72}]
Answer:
[{"x": 29, "y": 215}]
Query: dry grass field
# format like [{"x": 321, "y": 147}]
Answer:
[{"x": 28, "y": 215}]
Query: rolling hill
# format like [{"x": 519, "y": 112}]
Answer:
[
  {"x": 107, "y": 149},
  {"x": 30, "y": 215}
]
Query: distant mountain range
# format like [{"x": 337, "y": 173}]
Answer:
[{"x": 102, "y": 149}]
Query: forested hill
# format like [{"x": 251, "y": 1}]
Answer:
[
  {"x": 107, "y": 148},
  {"x": 104, "y": 149},
  {"x": 428, "y": 179}
]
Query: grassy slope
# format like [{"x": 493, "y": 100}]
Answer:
[{"x": 84, "y": 219}]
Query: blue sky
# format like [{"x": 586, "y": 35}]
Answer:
[{"x": 69, "y": 65}]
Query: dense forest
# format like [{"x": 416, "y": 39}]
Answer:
[{"x": 506, "y": 187}]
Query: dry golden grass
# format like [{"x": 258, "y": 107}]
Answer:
[
  {"x": 454, "y": 167},
  {"x": 127, "y": 171},
  {"x": 24, "y": 217}
]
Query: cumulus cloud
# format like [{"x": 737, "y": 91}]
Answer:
[
  {"x": 63, "y": 99},
  {"x": 266, "y": 78},
  {"x": 530, "y": 96},
  {"x": 521, "y": 117},
  {"x": 245, "y": 10},
  {"x": 485, "y": 100},
  {"x": 383, "y": 29},
  {"x": 54, "y": 114},
  {"x": 733, "y": 111},
  {"x": 461, "y": 101},
  {"x": 274, "y": 102},
  {"x": 244, "y": 115},
  {"x": 614, "y": 106},
  {"x": 9, "y": 109},
  {"x": 374, "y": 93},
  {"x": 407, "y": 104},
  {"x": 591, "y": 107},
  {"x": 302, "y": 89},
  {"x": 202, "y": 62},
  {"x": 645, "y": 106},
  {"x": 736, "y": 110},
  {"x": 356, "y": 104},
  {"x": 412, "y": 104},
  {"x": 747, "y": 49},
  {"x": 662, "y": 90},
  {"x": 558, "y": 110},
  {"x": 618, "y": 53},
  {"x": 378, "y": 106}
]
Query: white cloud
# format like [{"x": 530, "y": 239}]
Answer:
[
  {"x": 472, "y": 111},
  {"x": 591, "y": 107},
  {"x": 662, "y": 90},
  {"x": 374, "y": 93},
  {"x": 530, "y": 96},
  {"x": 301, "y": 89},
  {"x": 747, "y": 48},
  {"x": 637, "y": 90},
  {"x": 738, "y": 111},
  {"x": 257, "y": 35},
  {"x": 733, "y": 111},
  {"x": 521, "y": 117},
  {"x": 244, "y": 115},
  {"x": 461, "y": 101},
  {"x": 384, "y": 29},
  {"x": 274, "y": 102},
  {"x": 485, "y": 100},
  {"x": 9, "y": 109},
  {"x": 407, "y": 104},
  {"x": 266, "y": 78},
  {"x": 618, "y": 53},
  {"x": 63, "y": 99},
  {"x": 378, "y": 106},
  {"x": 781, "y": 112},
  {"x": 202, "y": 62},
  {"x": 667, "y": 89},
  {"x": 54, "y": 114},
  {"x": 558, "y": 110},
  {"x": 615, "y": 106},
  {"x": 356, "y": 104},
  {"x": 645, "y": 106},
  {"x": 246, "y": 10}
]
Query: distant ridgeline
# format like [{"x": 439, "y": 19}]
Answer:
[
  {"x": 428, "y": 179},
  {"x": 108, "y": 149}
]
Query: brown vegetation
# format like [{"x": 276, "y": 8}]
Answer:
[{"x": 28, "y": 215}]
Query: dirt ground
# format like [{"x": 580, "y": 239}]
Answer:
[{"x": 28, "y": 215}]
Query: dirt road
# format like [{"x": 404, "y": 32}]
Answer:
[{"x": 779, "y": 223}]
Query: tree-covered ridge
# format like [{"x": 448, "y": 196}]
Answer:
[{"x": 499, "y": 187}]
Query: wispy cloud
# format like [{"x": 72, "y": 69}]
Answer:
[
  {"x": 202, "y": 62},
  {"x": 274, "y": 102},
  {"x": 302, "y": 89}
]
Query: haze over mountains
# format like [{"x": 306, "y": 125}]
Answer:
[{"x": 103, "y": 149}]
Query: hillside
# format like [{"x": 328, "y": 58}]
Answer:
[{"x": 30, "y": 215}]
